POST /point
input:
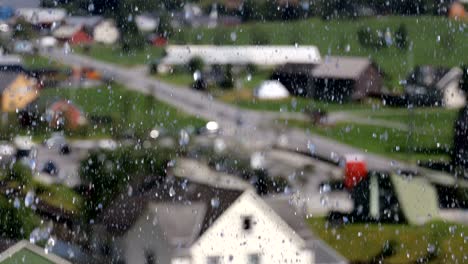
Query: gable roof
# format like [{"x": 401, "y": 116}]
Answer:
[
  {"x": 244, "y": 54},
  {"x": 184, "y": 231},
  {"x": 30, "y": 253},
  {"x": 341, "y": 67},
  {"x": 211, "y": 202},
  {"x": 41, "y": 15},
  {"x": 84, "y": 21},
  {"x": 282, "y": 207},
  {"x": 66, "y": 31},
  {"x": 6, "y": 78},
  {"x": 10, "y": 60}
]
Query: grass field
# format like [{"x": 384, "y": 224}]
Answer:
[
  {"x": 436, "y": 242},
  {"x": 128, "y": 110},
  {"x": 431, "y": 137},
  {"x": 432, "y": 40},
  {"x": 114, "y": 54},
  {"x": 38, "y": 62}
]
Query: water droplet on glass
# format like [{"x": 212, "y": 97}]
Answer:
[
  {"x": 49, "y": 245},
  {"x": 29, "y": 199},
  {"x": 215, "y": 202},
  {"x": 233, "y": 36},
  {"x": 452, "y": 229},
  {"x": 16, "y": 203},
  {"x": 348, "y": 48},
  {"x": 172, "y": 192},
  {"x": 431, "y": 248},
  {"x": 70, "y": 253},
  {"x": 311, "y": 148}
]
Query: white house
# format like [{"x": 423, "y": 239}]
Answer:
[
  {"x": 453, "y": 95},
  {"x": 180, "y": 222},
  {"x": 146, "y": 23},
  {"x": 436, "y": 85},
  {"x": 106, "y": 32},
  {"x": 239, "y": 55}
]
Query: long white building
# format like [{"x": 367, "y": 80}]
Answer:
[{"x": 239, "y": 55}]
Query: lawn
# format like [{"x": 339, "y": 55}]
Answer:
[
  {"x": 39, "y": 62},
  {"x": 433, "y": 40},
  {"x": 114, "y": 54},
  {"x": 242, "y": 95},
  {"x": 436, "y": 242},
  {"x": 431, "y": 137},
  {"x": 59, "y": 196},
  {"x": 127, "y": 110}
]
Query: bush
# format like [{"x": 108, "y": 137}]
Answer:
[
  {"x": 109, "y": 172},
  {"x": 153, "y": 67},
  {"x": 370, "y": 39},
  {"x": 131, "y": 39},
  {"x": 20, "y": 173},
  {"x": 165, "y": 28},
  {"x": 251, "y": 68},
  {"x": 16, "y": 223},
  {"x": 23, "y": 30},
  {"x": 196, "y": 64},
  {"x": 252, "y": 10},
  {"x": 401, "y": 37},
  {"x": 228, "y": 80}
]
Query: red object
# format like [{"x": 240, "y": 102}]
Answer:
[
  {"x": 355, "y": 170},
  {"x": 159, "y": 41},
  {"x": 80, "y": 37},
  {"x": 64, "y": 112}
]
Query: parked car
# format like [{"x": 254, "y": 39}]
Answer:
[{"x": 50, "y": 168}]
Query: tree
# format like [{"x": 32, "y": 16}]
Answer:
[
  {"x": 131, "y": 39},
  {"x": 108, "y": 173},
  {"x": 16, "y": 223},
  {"x": 165, "y": 28},
  {"x": 23, "y": 30},
  {"x": 252, "y": 10},
  {"x": 401, "y": 37},
  {"x": 20, "y": 173},
  {"x": 228, "y": 80},
  {"x": 195, "y": 64}
]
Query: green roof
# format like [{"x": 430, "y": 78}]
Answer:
[
  {"x": 417, "y": 197},
  {"x": 26, "y": 256},
  {"x": 25, "y": 252}
]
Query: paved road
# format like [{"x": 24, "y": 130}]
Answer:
[{"x": 249, "y": 127}]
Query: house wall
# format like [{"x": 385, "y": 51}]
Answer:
[
  {"x": 19, "y": 94},
  {"x": 369, "y": 82},
  {"x": 106, "y": 33},
  {"x": 454, "y": 97},
  {"x": 80, "y": 37},
  {"x": 269, "y": 237},
  {"x": 145, "y": 236}
]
